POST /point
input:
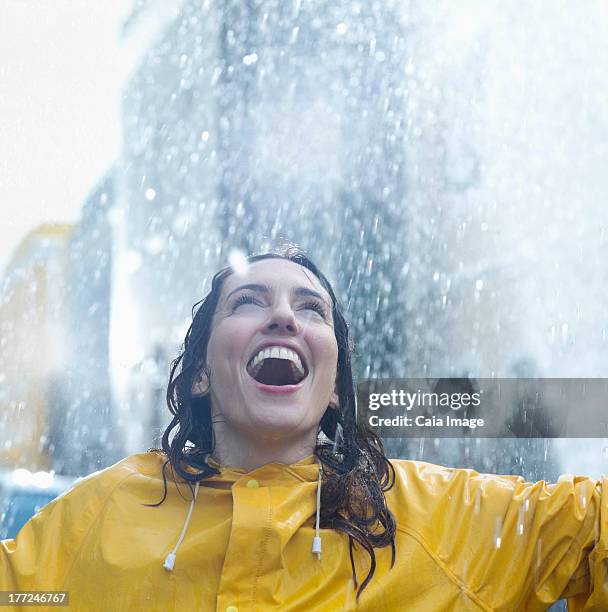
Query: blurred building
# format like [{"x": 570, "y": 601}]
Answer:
[
  {"x": 83, "y": 422},
  {"x": 55, "y": 386},
  {"x": 32, "y": 341}
]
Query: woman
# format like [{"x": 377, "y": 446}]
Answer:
[{"x": 257, "y": 512}]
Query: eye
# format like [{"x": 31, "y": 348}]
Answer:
[
  {"x": 243, "y": 299},
  {"x": 316, "y": 307}
]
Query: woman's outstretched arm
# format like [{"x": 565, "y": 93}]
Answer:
[{"x": 510, "y": 544}]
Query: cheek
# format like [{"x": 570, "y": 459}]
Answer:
[
  {"x": 216, "y": 355},
  {"x": 327, "y": 351},
  {"x": 223, "y": 341}
]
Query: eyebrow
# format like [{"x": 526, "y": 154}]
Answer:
[{"x": 298, "y": 291}]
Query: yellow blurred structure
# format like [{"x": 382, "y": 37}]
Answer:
[{"x": 31, "y": 344}]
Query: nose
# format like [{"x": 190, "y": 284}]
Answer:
[{"x": 282, "y": 320}]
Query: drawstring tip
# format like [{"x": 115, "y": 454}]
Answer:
[
  {"x": 316, "y": 546},
  {"x": 169, "y": 561}
]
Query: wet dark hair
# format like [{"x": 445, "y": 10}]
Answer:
[{"x": 355, "y": 476}]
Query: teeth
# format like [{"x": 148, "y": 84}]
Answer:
[{"x": 276, "y": 352}]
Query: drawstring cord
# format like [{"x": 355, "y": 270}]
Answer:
[
  {"x": 170, "y": 560},
  {"x": 316, "y": 543}
]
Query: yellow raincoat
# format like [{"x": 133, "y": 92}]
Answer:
[{"x": 464, "y": 541}]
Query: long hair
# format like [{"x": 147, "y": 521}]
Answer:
[{"x": 356, "y": 472}]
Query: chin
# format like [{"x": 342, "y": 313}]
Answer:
[{"x": 272, "y": 426}]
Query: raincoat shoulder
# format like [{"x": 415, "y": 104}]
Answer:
[
  {"x": 507, "y": 544},
  {"x": 46, "y": 550}
]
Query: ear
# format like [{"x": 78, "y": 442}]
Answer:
[{"x": 200, "y": 386}]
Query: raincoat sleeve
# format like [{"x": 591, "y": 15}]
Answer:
[
  {"x": 42, "y": 554},
  {"x": 556, "y": 542},
  {"x": 511, "y": 544}
]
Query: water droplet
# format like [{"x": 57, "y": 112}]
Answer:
[
  {"x": 250, "y": 59},
  {"x": 238, "y": 260},
  {"x": 498, "y": 532},
  {"x": 538, "y": 563},
  {"x": 132, "y": 261}
]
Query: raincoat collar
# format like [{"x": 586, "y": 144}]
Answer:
[{"x": 305, "y": 470}]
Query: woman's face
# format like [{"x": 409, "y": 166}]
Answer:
[{"x": 272, "y": 353}]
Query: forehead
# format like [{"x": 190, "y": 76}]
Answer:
[{"x": 278, "y": 273}]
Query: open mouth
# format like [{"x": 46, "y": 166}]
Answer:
[{"x": 277, "y": 367}]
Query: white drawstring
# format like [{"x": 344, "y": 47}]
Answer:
[
  {"x": 316, "y": 543},
  {"x": 170, "y": 560}
]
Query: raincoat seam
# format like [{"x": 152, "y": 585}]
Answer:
[
  {"x": 92, "y": 523},
  {"x": 296, "y": 475},
  {"x": 267, "y": 533},
  {"x": 444, "y": 568}
]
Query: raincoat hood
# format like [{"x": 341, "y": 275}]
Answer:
[{"x": 464, "y": 541}]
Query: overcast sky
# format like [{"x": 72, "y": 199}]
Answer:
[{"x": 62, "y": 71}]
